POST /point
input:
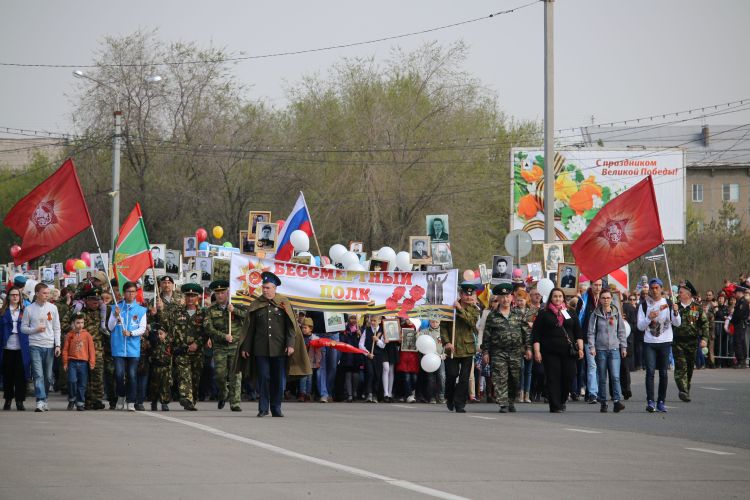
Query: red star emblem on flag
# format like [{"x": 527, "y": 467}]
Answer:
[
  {"x": 44, "y": 215},
  {"x": 614, "y": 232}
]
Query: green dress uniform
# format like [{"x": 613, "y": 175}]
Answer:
[
  {"x": 216, "y": 326},
  {"x": 695, "y": 326},
  {"x": 506, "y": 339},
  {"x": 185, "y": 328}
]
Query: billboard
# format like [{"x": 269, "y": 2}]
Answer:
[{"x": 586, "y": 179}]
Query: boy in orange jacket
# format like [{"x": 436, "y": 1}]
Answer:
[{"x": 78, "y": 355}]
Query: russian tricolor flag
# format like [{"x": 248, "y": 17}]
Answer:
[{"x": 298, "y": 219}]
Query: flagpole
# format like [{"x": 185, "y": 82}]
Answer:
[
  {"x": 669, "y": 277},
  {"x": 106, "y": 269},
  {"x": 309, "y": 217}
]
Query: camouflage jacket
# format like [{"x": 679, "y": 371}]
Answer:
[
  {"x": 216, "y": 324},
  {"x": 183, "y": 329},
  {"x": 506, "y": 334},
  {"x": 92, "y": 323},
  {"x": 695, "y": 324},
  {"x": 465, "y": 344}
]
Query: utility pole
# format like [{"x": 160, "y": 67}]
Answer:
[
  {"x": 116, "y": 178},
  {"x": 549, "y": 123}
]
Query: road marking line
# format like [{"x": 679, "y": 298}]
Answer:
[
  {"x": 585, "y": 431},
  {"x": 404, "y": 406},
  {"x": 399, "y": 483},
  {"x": 483, "y": 418},
  {"x": 712, "y": 388},
  {"x": 714, "y": 452}
]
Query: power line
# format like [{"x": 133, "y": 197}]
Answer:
[{"x": 281, "y": 53}]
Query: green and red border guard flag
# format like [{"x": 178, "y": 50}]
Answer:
[
  {"x": 132, "y": 253},
  {"x": 623, "y": 230},
  {"x": 51, "y": 214}
]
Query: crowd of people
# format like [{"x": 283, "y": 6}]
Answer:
[{"x": 101, "y": 348}]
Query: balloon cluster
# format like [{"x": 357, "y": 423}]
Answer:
[
  {"x": 428, "y": 347},
  {"x": 338, "y": 253}
]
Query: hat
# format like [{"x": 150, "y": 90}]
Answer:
[
  {"x": 502, "y": 289},
  {"x": 468, "y": 287},
  {"x": 191, "y": 289},
  {"x": 19, "y": 280},
  {"x": 99, "y": 275},
  {"x": 269, "y": 277},
  {"x": 219, "y": 285},
  {"x": 689, "y": 287},
  {"x": 166, "y": 277},
  {"x": 92, "y": 293},
  {"x": 307, "y": 322},
  {"x": 655, "y": 281},
  {"x": 740, "y": 288}
]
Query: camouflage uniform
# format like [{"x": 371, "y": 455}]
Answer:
[
  {"x": 161, "y": 367},
  {"x": 505, "y": 340},
  {"x": 94, "y": 325},
  {"x": 216, "y": 326},
  {"x": 185, "y": 329},
  {"x": 694, "y": 326}
]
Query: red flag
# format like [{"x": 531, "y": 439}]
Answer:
[
  {"x": 339, "y": 346},
  {"x": 51, "y": 214},
  {"x": 624, "y": 229}
]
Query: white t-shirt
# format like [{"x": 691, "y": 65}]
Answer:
[{"x": 658, "y": 331}]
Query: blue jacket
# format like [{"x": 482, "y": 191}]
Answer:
[
  {"x": 6, "y": 328},
  {"x": 133, "y": 318}
]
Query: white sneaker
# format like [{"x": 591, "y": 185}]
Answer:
[
  {"x": 411, "y": 399},
  {"x": 39, "y": 406},
  {"x": 120, "y": 404},
  {"x": 46, "y": 407},
  {"x": 131, "y": 406}
]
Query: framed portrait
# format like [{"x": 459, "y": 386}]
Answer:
[
  {"x": 420, "y": 249},
  {"x": 485, "y": 276},
  {"x": 433, "y": 267},
  {"x": 392, "y": 329},
  {"x": 192, "y": 276},
  {"x": 100, "y": 261},
  {"x": 149, "y": 282},
  {"x": 520, "y": 269},
  {"x": 47, "y": 275},
  {"x": 567, "y": 277},
  {"x": 204, "y": 266},
  {"x": 334, "y": 321},
  {"x": 535, "y": 270},
  {"x": 189, "y": 246},
  {"x": 265, "y": 238},
  {"x": 247, "y": 245},
  {"x": 226, "y": 252},
  {"x": 302, "y": 259},
  {"x": 59, "y": 269},
  {"x": 502, "y": 269},
  {"x": 3, "y": 273},
  {"x": 552, "y": 276},
  {"x": 441, "y": 254},
  {"x": 157, "y": 253},
  {"x": 408, "y": 340},
  {"x": 253, "y": 219},
  {"x": 220, "y": 269},
  {"x": 356, "y": 247},
  {"x": 553, "y": 255},
  {"x": 32, "y": 274},
  {"x": 70, "y": 280},
  {"x": 378, "y": 265},
  {"x": 616, "y": 299},
  {"x": 173, "y": 263},
  {"x": 437, "y": 228},
  {"x": 83, "y": 274}
]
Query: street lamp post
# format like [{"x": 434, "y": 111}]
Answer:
[{"x": 116, "y": 143}]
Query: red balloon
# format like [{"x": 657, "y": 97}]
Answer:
[
  {"x": 477, "y": 274},
  {"x": 280, "y": 223},
  {"x": 201, "y": 234},
  {"x": 70, "y": 265},
  {"x": 14, "y": 250},
  {"x": 86, "y": 257}
]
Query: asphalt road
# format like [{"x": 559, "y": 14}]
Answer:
[{"x": 696, "y": 450}]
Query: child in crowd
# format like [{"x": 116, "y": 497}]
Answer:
[
  {"x": 371, "y": 341},
  {"x": 305, "y": 383},
  {"x": 435, "y": 381},
  {"x": 77, "y": 353},
  {"x": 408, "y": 366},
  {"x": 349, "y": 362}
]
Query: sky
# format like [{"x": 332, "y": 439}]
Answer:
[{"x": 614, "y": 60}]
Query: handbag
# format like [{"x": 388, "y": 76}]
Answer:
[{"x": 572, "y": 348}]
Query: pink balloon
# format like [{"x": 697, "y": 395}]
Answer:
[
  {"x": 281, "y": 223},
  {"x": 86, "y": 257},
  {"x": 201, "y": 234},
  {"x": 14, "y": 250}
]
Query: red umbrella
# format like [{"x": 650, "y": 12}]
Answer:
[{"x": 339, "y": 346}]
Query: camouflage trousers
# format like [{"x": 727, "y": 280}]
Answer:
[
  {"x": 189, "y": 368},
  {"x": 160, "y": 383},
  {"x": 505, "y": 369},
  {"x": 228, "y": 382},
  {"x": 684, "y": 362},
  {"x": 95, "y": 389}
]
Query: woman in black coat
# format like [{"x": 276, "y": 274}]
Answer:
[{"x": 554, "y": 331}]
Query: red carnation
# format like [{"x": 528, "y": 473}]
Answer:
[
  {"x": 408, "y": 304},
  {"x": 416, "y": 292},
  {"x": 398, "y": 292},
  {"x": 391, "y": 303}
]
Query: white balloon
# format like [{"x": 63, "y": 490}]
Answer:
[
  {"x": 430, "y": 362},
  {"x": 357, "y": 267},
  {"x": 403, "y": 261},
  {"x": 28, "y": 288},
  {"x": 300, "y": 241},
  {"x": 349, "y": 259},
  {"x": 426, "y": 344},
  {"x": 387, "y": 253},
  {"x": 544, "y": 287},
  {"x": 336, "y": 252},
  {"x": 305, "y": 254},
  {"x": 329, "y": 266}
]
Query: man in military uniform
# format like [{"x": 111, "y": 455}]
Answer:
[
  {"x": 460, "y": 344},
  {"x": 168, "y": 295},
  {"x": 505, "y": 341},
  {"x": 270, "y": 336},
  {"x": 185, "y": 326},
  {"x": 94, "y": 324},
  {"x": 694, "y": 326},
  {"x": 224, "y": 337},
  {"x": 160, "y": 358},
  {"x": 739, "y": 321}
]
